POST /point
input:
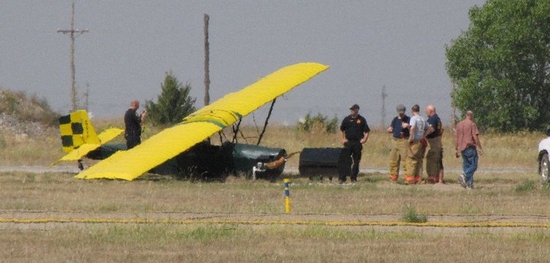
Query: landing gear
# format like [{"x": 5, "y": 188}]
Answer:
[{"x": 80, "y": 165}]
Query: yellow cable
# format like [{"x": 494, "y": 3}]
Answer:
[{"x": 267, "y": 222}]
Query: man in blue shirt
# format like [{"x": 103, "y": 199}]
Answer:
[{"x": 399, "y": 127}]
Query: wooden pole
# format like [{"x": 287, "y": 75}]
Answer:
[
  {"x": 206, "y": 62},
  {"x": 71, "y": 33}
]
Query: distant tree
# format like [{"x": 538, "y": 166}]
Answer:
[
  {"x": 501, "y": 65},
  {"x": 317, "y": 123},
  {"x": 173, "y": 103}
]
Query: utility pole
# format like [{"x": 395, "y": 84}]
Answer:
[
  {"x": 383, "y": 113},
  {"x": 72, "y": 33},
  {"x": 206, "y": 62},
  {"x": 86, "y": 96}
]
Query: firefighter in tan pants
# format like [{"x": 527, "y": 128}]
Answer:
[
  {"x": 434, "y": 157},
  {"x": 415, "y": 156},
  {"x": 400, "y": 130}
]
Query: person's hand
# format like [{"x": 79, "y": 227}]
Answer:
[
  {"x": 363, "y": 140},
  {"x": 344, "y": 141},
  {"x": 404, "y": 125},
  {"x": 424, "y": 142},
  {"x": 390, "y": 129}
]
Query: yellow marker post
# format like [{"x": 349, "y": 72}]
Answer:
[{"x": 287, "y": 194}]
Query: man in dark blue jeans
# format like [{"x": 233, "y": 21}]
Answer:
[
  {"x": 468, "y": 145},
  {"x": 354, "y": 132}
]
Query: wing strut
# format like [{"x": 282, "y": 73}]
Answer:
[
  {"x": 266, "y": 121},
  {"x": 236, "y": 128}
]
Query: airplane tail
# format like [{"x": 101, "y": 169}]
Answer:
[
  {"x": 76, "y": 129},
  {"x": 78, "y": 136}
]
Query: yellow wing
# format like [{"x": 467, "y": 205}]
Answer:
[
  {"x": 108, "y": 134},
  {"x": 201, "y": 124}
]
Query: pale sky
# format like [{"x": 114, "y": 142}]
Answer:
[{"x": 399, "y": 44}]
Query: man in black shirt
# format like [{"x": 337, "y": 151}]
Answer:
[
  {"x": 434, "y": 157},
  {"x": 133, "y": 123},
  {"x": 354, "y": 132}
]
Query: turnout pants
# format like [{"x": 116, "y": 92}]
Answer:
[
  {"x": 414, "y": 162},
  {"x": 398, "y": 156},
  {"x": 433, "y": 158}
]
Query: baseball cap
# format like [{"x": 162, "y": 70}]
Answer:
[
  {"x": 401, "y": 108},
  {"x": 354, "y": 107}
]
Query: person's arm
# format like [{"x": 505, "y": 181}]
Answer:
[
  {"x": 476, "y": 140},
  {"x": 456, "y": 142},
  {"x": 365, "y": 137},
  {"x": 390, "y": 128},
  {"x": 429, "y": 130},
  {"x": 142, "y": 117},
  {"x": 412, "y": 128},
  {"x": 478, "y": 143},
  {"x": 426, "y": 132},
  {"x": 343, "y": 137}
]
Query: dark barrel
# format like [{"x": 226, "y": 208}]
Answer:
[{"x": 322, "y": 162}]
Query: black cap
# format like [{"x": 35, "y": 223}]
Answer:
[{"x": 354, "y": 107}]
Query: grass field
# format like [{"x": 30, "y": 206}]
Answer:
[{"x": 52, "y": 217}]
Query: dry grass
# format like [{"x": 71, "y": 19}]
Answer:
[
  {"x": 508, "y": 192},
  {"x": 40, "y": 149},
  {"x": 372, "y": 196},
  {"x": 27, "y": 195},
  {"x": 233, "y": 243}
]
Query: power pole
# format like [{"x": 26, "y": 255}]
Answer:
[
  {"x": 383, "y": 113},
  {"x": 86, "y": 96},
  {"x": 72, "y": 33},
  {"x": 206, "y": 62}
]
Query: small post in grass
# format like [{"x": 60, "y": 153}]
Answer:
[{"x": 287, "y": 194}]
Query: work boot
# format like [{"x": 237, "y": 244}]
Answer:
[
  {"x": 433, "y": 179},
  {"x": 410, "y": 179},
  {"x": 394, "y": 177}
]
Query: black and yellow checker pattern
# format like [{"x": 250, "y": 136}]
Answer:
[{"x": 76, "y": 129}]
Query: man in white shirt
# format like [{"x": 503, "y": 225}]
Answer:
[{"x": 417, "y": 141}]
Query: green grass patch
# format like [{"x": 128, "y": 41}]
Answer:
[
  {"x": 411, "y": 216},
  {"x": 525, "y": 186}
]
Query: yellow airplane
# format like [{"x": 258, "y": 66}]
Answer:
[{"x": 183, "y": 146}]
